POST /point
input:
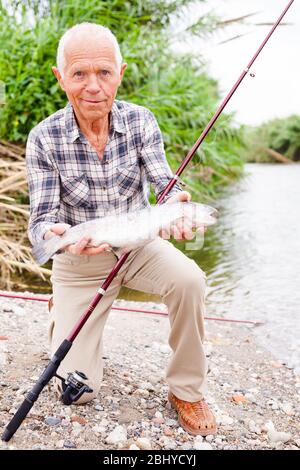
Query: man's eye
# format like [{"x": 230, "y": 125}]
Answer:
[
  {"x": 105, "y": 73},
  {"x": 78, "y": 74}
]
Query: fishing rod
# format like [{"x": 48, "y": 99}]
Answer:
[{"x": 75, "y": 384}]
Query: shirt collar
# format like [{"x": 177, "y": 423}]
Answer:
[
  {"x": 117, "y": 123},
  {"x": 73, "y": 132},
  {"x": 72, "y": 129}
]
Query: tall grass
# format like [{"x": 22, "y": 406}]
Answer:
[{"x": 14, "y": 248}]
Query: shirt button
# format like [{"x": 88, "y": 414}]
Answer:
[{"x": 104, "y": 188}]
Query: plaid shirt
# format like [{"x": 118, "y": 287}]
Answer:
[{"x": 69, "y": 183}]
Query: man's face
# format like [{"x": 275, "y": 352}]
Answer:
[{"x": 91, "y": 76}]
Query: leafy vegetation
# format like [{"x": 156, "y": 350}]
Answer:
[{"x": 282, "y": 136}]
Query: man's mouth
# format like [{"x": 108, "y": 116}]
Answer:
[{"x": 92, "y": 101}]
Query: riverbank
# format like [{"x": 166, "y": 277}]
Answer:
[{"x": 256, "y": 399}]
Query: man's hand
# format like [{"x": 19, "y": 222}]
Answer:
[
  {"x": 78, "y": 248},
  {"x": 56, "y": 229},
  {"x": 181, "y": 230},
  {"x": 182, "y": 196}
]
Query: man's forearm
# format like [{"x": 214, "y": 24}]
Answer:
[{"x": 174, "y": 190}]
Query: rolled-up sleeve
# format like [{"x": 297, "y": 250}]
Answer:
[
  {"x": 44, "y": 188},
  {"x": 153, "y": 156}
]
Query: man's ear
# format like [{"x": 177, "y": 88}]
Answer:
[
  {"x": 123, "y": 67},
  {"x": 58, "y": 77}
]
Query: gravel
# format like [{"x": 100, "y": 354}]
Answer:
[{"x": 255, "y": 397}]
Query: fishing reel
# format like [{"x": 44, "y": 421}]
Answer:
[{"x": 74, "y": 387}]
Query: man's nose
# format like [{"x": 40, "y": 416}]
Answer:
[{"x": 93, "y": 85}]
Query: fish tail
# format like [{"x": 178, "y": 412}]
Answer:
[{"x": 44, "y": 250}]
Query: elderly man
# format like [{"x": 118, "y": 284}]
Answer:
[{"x": 94, "y": 157}]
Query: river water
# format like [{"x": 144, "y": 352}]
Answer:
[{"x": 252, "y": 257}]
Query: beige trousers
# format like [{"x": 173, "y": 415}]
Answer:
[{"x": 157, "y": 268}]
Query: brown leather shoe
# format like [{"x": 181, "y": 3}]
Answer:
[{"x": 194, "y": 417}]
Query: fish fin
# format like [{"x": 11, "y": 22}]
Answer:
[{"x": 44, "y": 250}]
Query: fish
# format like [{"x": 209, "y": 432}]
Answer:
[{"x": 128, "y": 230}]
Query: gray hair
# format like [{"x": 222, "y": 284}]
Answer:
[{"x": 92, "y": 28}]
